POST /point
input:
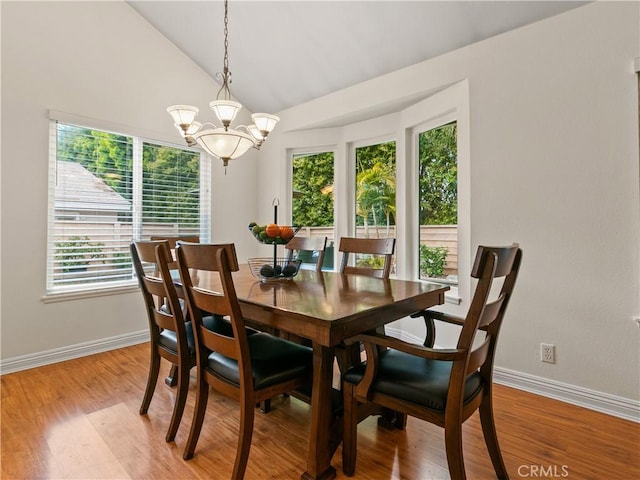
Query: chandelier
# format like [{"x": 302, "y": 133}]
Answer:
[{"x": 223, "y": 142}]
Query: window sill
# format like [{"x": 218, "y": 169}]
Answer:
[
  {"x": 452, "y": 298},
  {"x": 64, "y": 296}
]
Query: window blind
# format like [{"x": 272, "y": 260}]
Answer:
[{"x": 109, "y": 189}]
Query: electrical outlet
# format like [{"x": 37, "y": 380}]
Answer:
[{"x": 547, "y": 353}]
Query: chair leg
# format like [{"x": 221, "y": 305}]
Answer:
[
  {"x": 198, "y": 418},
  {"x": 152, "y": 379},
  {"x": 350, "y": 430},
  {"x": 244, "y": 439},
  {"x": 491, "y": 437},
  {"x": 392, "y": 419},
  {"x": 172, "y": 379},
  {"x": 265, "y": 406},
  {"x": 453, "y": 445},
  {"x": 181, "y": 400}
]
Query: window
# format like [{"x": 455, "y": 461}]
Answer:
[
  {"x": 313, "y": 199},
  {"x": 438, "y": 203},
  {"x": 360, "y": 145},
  {"x": 108, "y": 189},
  {"x": 375, "y": 196}
]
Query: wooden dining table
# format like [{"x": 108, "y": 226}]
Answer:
[{"x": 326, "y": 308}]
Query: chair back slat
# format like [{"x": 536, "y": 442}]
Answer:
[
  {"x": 154, "y": 285},
  {"x": 478, "y": 356},
  {"x": 211, "y": 302},
  {"x": 174, "y": 239},
  {"x": 491, "y": 311},
  {"x": 146, "y": 251},
  {"x": 218, "y": 342},
  {"x": 164, "y": 320},
  {"x": 384, "y": 247},
  {"x": 308, "y": 244},
  {"x": 506, "y": 258},
  {"x": 205, "y": 258}
]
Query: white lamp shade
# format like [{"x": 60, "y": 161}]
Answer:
[
  {"x": 225, "y": 110},
  {"x": 253, "y": 130},
  {"x": 224, "y": 144},
  {"x": 265, "y": 122},
  {"x": 183, "y": 114}
]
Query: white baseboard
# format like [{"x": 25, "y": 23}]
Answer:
[
  {"x": 625, "y": 408},
  {"x": 621, "y": 407},
  {"x": 55, "y": 355}
]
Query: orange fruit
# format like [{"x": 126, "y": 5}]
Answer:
[
  {"x": 273, "y": 230},
  {"x": 287, "y": 233}
]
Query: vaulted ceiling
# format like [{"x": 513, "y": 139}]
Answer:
[{"x": 283, "y": 53}]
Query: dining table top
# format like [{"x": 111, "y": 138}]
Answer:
[{"x": 326, "y": 306}]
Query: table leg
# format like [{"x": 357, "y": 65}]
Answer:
[{"x": 319, "y": 456}]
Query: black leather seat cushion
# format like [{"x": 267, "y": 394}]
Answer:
[
  {"x": 418, "y": 380},
  {"x": 273, "y": 360},
  {"x": 214, "y": 323}
]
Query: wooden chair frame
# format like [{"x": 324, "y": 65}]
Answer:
[
  {"x": 159, "y": 291},
  {"x": 466, "y": 358},
  {"x": 221, "y": 260},
  {"x": 385, "y": 247},
  {"x": 172, "y": 378}
]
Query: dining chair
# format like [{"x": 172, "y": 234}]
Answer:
[
  {"x": 376, "y": 247},
  {"x": 314, "y": 245},
  {"x": 168, "y": 336},
  {"x": 247, "y": 368},
  {"x": 440, "y": 386},
  {"x": 174, "y": 240},
  {"x": 172, "y": 378},
  {"x": 170, "y": 331}
]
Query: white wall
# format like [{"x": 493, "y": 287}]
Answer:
[
  {"x": 554, "y": 166},
  {"x": 103, "y": 61}
]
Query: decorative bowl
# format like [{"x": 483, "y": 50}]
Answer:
[
  {"x": 265, "y": 269},
  {"x": 273, "y": 234}
]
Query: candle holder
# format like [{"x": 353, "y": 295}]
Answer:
[{"x": 274, "y": 268}]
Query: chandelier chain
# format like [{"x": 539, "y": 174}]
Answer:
[
  {"x": 224, "y": 142},
  {"x": 226, "y": 40},
  {"x": 225, "y": 76}
]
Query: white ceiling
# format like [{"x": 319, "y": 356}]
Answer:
[{"x": 283, "y": 53}]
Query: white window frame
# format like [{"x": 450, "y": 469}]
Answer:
[
  {"x": 72, "y": 292},
  {"x": 451, "y": 104}
]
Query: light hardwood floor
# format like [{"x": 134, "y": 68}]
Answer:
[{"x": 79, "y": 420}]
